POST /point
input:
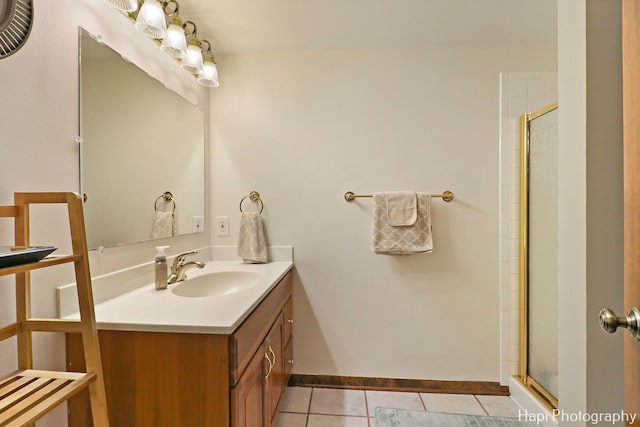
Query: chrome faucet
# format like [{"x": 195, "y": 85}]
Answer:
[{"x": 180, "y": 266}]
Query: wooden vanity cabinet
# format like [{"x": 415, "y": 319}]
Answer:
[
  {"x": 195, "y": 380},
  {"x": 256, "y": 398}
]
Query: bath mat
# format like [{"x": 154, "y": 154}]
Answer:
[{"x": 387, "y": 417}]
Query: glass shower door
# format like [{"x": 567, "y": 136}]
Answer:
[{"x": 539, "y": 250}]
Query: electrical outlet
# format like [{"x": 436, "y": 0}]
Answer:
[
  {"x": 197, "y": 224},
  {"x": 222, "y": 226}
]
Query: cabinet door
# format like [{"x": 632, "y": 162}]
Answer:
[
  {"x": 274, "y": 382},
  {"x": 247, "y": 404}
]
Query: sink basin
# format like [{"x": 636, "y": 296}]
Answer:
[{"x": 217, "y": 283}]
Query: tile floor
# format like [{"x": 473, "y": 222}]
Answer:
[{"x": 324, "y": 407}]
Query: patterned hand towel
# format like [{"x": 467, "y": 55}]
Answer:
[
  {"x": 164, "y": 225},
  {"x": 404, "y": 239},
  {"x": 252, "y": 245}
]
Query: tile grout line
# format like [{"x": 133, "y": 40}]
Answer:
[
  {"x": 481, "y": 405},
  {"x": 366, "y": 407},
  {"x": 424, "y": 405},
  {"x": 309, "y": 407}
]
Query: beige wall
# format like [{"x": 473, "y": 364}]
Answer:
[{"x": 304, "y": 127}]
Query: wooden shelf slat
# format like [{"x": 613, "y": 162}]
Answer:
[
  {"x": 52, "y": 325},
  {"x": 9, "y": 331},
  {"x": 27, "y": 395},
  {"x": 47, "y": 262}
]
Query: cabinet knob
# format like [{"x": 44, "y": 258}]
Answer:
[
  {"x": 290, "y": 321},
  {"x": 290, "y": 362}
]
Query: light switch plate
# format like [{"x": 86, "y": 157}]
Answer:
[
  {"x": 197, "y": 224},
  {"x": 222, "y": 226}
]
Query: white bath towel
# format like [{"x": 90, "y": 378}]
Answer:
[
  {"x": 252, "y": 245},
  {"x": 164, "y": 225},
  {"x": 403, "y": 239}
]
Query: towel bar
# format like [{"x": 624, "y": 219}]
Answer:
[{"x": 349, "y": 196}]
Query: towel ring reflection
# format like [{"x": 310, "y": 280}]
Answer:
[
  {"x": 167, "y": 197},
  {"x": 254, "y": 196}
]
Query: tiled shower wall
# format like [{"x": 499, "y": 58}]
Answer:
[{"x": 520, "y": 93}]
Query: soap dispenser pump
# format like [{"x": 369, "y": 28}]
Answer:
[{"x": 161, "y": 268}]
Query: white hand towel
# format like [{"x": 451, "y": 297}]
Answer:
[
  {"x": 252, "y": 245},
  {"x": 404, "y": 239},
  {"x": 164, "y": 225}
]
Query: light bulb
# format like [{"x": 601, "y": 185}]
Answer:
[
  {"x": 151, "y": 19},
  {"x": 192, "y": 61},
  {"x": 209, "y": 74},
  {"x": 174, "y": 42},
  {"x": 123, "y": 5}
]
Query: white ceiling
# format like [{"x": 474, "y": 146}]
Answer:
[{"x": 263, "y": 25}]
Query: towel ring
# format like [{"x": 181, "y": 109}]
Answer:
[
  {"x": 167, "y": 197},
  {"x": 254, "y": 196}
]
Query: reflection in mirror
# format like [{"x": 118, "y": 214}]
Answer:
[{"x": 139, "y": 140}]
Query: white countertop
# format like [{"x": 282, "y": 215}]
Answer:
[{"x": 143, "y": 308}]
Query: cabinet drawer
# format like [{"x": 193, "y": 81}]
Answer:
[
  {"x": 247, "y": 338},
  {"x": 288, "y": 320}
]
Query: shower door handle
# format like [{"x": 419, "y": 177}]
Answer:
[{"x": 609, "y": 322}]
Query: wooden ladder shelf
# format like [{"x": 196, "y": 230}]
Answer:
[{"x": 28, "y": 394}]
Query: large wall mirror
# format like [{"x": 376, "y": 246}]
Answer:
[{"x": 139, "y": 140}]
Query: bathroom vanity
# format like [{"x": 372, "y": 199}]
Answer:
[{"x": 213, "y": 376}]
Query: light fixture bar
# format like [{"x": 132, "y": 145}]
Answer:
[{"x": 179, "y": 40}]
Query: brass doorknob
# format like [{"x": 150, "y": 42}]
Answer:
[{"x": 609, "y": 322}]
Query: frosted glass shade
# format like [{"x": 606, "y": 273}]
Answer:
[
  {"x": 151, "y": 19},
  {"x": 209, "y": 75},
  {"x": 192, "y": 61},
  {"x": 123, "y": 5},
  {"x": 174, "y": 42}
]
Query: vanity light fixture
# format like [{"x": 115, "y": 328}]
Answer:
[
  {"x": 192, "y": 61},
  {"x": 175, "y": 42},
  {"x": 123, "y": 5},
  {"x": 179, "y": 40},
  {"x": 209, "y": 74},
  {"x": 151, "y": 20}
]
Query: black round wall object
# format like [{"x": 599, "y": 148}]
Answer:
[{"x": 16, "y": 19}]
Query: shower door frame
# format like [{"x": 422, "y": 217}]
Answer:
[{"x": 546, "y": 398}]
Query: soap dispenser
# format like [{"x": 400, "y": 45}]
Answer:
[{"x": 161, "y": 268}]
